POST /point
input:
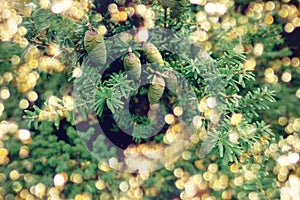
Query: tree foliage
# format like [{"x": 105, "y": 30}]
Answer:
[{"x": 207, "y": 88}]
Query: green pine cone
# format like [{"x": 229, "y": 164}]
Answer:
[
  {"x": 125, "y": 37},
  {"x": 171, "y": 81},
  {"x": 167, "y": 3},
  {"x": 156, "y": 89},
  {"x": 153, "y": 55},
  {"x": 133, "y": 65},
  {"x": 95, "y": 46},
  {"x": 179, "y": 8}
]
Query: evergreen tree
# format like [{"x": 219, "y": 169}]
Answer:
[{"x": 149, "y": 99}]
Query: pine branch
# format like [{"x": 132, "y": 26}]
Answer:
[{"x": 253, "y": 101}]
